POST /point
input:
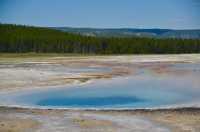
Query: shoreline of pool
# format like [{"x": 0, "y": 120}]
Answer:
[{"x": 169, "y": 107}]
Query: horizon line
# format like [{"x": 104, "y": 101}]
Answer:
[{"x": 100, "y": 28}]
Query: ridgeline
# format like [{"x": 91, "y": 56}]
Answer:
[{"x": 24, "y": 39}]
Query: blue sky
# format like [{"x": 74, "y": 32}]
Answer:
[{"x": 174, "y": 14}]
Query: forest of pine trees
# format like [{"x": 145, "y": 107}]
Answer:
[{"x": 23, "y": 39}]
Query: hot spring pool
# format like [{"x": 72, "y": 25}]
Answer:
[{"x": 134, "y": 92}]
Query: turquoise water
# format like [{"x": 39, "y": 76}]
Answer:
[{"x": 141, "y": 90}]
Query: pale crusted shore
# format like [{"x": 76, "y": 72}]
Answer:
[
  {"x": 40, "y": 72},
  {"x": 56, "y": 71},
  {"x": 165, "y": 120}
]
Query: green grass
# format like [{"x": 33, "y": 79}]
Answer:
[
  {"x": 27, "y": 55},
  {"x": 23, "y": 57},
  {"x": 46, "y": 55}
]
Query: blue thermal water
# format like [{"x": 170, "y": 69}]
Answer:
[{"x": 133, "y": 92}]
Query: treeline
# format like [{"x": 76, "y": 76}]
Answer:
[{"x": 22, "y": 39}]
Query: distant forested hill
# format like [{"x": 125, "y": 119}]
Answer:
[
  {"x": 128, "y": 32},
  {"x": 21, "y": 39}
]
